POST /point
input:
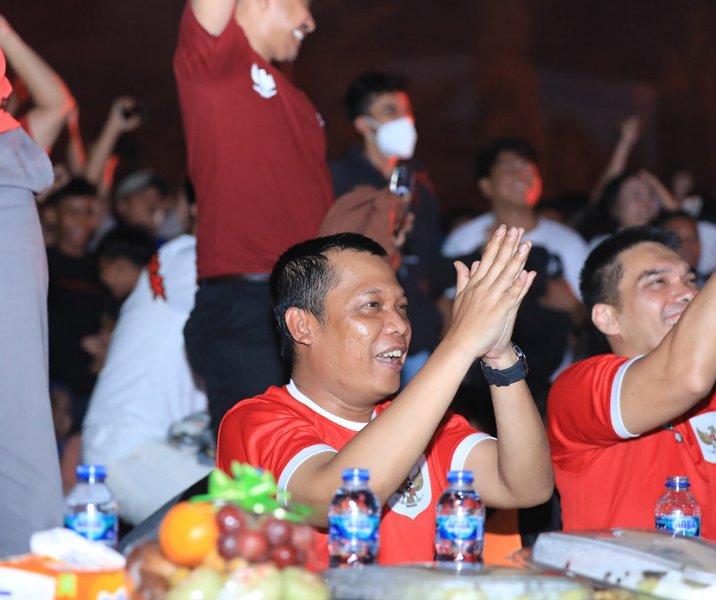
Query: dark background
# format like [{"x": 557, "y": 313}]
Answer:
[{"x": 562, "y": 73}]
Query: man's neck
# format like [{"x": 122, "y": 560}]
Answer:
[
  {"x": 315, "y": 391},
  {"x": 71, "y": 250},
  {"x": 515, "y": 216},
  {"x": 246, "y": 16},
  {"x": 383, "y": 163}
]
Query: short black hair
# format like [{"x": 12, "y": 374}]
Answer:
[
  {"x": 667, "y": 215},
  {"x": 134, "y": 243},
  {"x": 189, "y": 192},
  {"x": 602, "y": 271},
  {"x": 362, "y": 91},
  {"x": 77, "y": 186},
  {"x": 303, "y": 276},
  {"x": 486, "y": 158}
]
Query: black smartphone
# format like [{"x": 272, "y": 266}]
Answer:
[
  {"x": 137, "y": 109},
  {"x": 401, "y": 181}
]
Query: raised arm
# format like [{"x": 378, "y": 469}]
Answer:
[
  {"x": 389, "y": 446},
  {"x": 515, "y": 470},
  {"x": 213, "y": 15},
  {"x": 121, "y": 119},
  {"x": 679, "y": 372},
  {"x": 628, "y": 137},
  {"x": 52, "y": 100}
]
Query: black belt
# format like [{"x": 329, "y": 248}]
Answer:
[{"x": 237, "y": 278}]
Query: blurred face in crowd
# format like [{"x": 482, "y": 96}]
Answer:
[
  {"x": 688, "y": 233},
  {"x": 389, "y": 106},
  {"x": 361, "y": 346},
  {"x": 636, "y": 204},
  {"x": 119, "y": 274},
  {"x": 654, "y": 290},
  {"x": 513, "y": 181},
  {"x": 74, "y": 224},
  {"x": 281, "y": 32},
  {"x": 144, "y": 208}
]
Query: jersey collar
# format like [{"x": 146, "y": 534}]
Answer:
[{"x": 305, "y": 400}]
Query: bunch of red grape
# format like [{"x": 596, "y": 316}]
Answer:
[{"x": 259, "y": 540}]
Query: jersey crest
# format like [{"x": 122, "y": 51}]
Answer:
[
  {"x": 415, "y": 494},
  {"x": 704, "y": 427},
  {"x": 264, "y": 83}
]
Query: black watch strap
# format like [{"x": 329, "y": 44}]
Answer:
[{"x": 510, "y": 375}]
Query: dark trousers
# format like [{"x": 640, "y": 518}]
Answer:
[{"x": 232, "y": 343}]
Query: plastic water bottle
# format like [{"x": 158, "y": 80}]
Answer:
[
  {"x": 677, "y": 511},
  {"x": 353, "y": 521},
  {"x": 460, "y": 521},
  {"x": 90, "y": 508}
]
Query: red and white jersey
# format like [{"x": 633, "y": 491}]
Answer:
[
  {"x": 282, "y": 428},
  {"x": 609, "y": 477}
]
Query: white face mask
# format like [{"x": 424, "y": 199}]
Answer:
[{"x": 396, "y": 138}]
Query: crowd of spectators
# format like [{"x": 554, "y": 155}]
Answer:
[{"x": 159, "y": 323}]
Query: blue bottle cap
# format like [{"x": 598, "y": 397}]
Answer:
[
  {"x": 460, "y": 477},
  {"x": 350, "y": 474},
  {"x": 87, "y": 472},
  {"x": 678, "y": 482}
]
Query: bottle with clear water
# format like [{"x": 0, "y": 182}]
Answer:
[
  {"x": 677, "y": 511},
  {"x": 460, "y": 521},
  {"x": 90, "y": 508},
  {"x": 353, "y": 521}
]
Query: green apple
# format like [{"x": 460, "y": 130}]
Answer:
[
  {"x": 201, "y": 584},
  {"x": 253, "y": 581},
  {"x": 299, "y": 584}
]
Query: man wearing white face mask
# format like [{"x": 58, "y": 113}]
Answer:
[{"x": 381, "y": 112}]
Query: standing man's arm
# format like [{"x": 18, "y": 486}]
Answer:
[
  {"x": 213, "y": 15},
  {"x": 678, "y": 373}
]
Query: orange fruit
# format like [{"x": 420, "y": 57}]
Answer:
[{"x": 188, "y": 533}]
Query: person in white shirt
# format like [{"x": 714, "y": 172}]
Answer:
[
  {"x": 146, "y": 386},
  {"x": 508, "y": 176}
]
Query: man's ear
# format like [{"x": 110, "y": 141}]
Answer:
[
  {"x": 483, "y": 184},
  {"x": 604, "y": 317},
  {"x": 363, "y": 126},
  {"x": 300, "y": 325},
  {"x": 120, "y": 207}
]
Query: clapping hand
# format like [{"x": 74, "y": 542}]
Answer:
[{"x": 489, "y": 294}]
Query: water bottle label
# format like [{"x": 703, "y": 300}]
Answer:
[
  {"x": 94, "y": 525},
  {"x": 359, "y": 527},
  {"x": 679, "y": 525},
  {"x": 464, "y": 527}
]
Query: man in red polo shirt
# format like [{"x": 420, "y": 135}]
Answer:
[
  {"x": 621, "y": 423},
  {"x": 256, "y": 156},
  {"x": 343, "y": 321}
]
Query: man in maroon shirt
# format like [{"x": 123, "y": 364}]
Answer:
[{"x": 256, "y": 156}]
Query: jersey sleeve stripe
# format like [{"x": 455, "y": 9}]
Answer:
[
  {"x": 298, "y": 460},
  {"x": 615, "y": 402},
  {"x": 463, "y": 450}
]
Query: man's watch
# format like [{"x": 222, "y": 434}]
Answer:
[{"x": 510, "y": 375}]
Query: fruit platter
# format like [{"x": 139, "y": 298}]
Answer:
[{"x": 240, "y": 541}]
